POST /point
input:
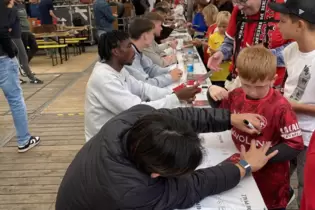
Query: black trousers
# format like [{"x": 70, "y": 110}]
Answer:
[{"x": 30, "y": 44}]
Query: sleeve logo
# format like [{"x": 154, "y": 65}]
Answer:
[{"x": 291, "y": 131}]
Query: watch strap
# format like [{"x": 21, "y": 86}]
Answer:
[{"x": 246, "y": 166}]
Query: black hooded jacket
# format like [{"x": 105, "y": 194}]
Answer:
[
  {"x": 6, "y": 45},
  {"x": 102, "y": 177}
]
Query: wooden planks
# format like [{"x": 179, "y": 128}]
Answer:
[{"x": 30, "y": 181}]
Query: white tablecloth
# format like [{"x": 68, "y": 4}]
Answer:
[
  {"x": 199, "y": 68},
  {"x": 219, "y": 147}
]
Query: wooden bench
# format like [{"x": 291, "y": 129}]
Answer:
[{"x": 54, "y": 53}]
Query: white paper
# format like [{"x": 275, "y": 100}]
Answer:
[{"x": 245, "y": 196}]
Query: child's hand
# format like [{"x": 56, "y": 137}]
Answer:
[
  {"x": 218, "y": 93},
  {"x": 196, "y": 42}
]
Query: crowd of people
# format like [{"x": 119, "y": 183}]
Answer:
[{"x": 142, "y": 150}]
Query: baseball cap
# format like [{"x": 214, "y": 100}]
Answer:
[{"x": 304, "y": 9}]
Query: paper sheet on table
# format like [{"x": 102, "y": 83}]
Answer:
[{"x": 245, "y": 196}]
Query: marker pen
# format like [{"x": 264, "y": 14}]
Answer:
[{"x": 248, "y": 124}]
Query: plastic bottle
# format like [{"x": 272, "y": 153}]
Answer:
[{"x": 190, "y": 65}]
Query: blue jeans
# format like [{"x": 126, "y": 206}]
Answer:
[{"x": 10, "y": 85}]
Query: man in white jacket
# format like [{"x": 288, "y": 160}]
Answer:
[{"x": 111, "y": 89}]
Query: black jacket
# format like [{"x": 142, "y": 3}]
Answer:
[
  {"x": 6, "y": 45},
  {"x": 101, "y": 176}
]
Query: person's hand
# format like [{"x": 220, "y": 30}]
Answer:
[
  {"x": 196, "y": 42},
  {"x": 115, "y": 14},
  {"x": 255, "y": 157},
  {"x": 215, "y": 60},
  {"x": 237, "y": 121},
  {"x": 188, "y": 24},
  {"x": 176, "y": 74},
  {"x": 218, "y": 93},
  {"x": 188, "y": 93},
  {"x": 169, "y": 59},
  {"x": 173, "y": 44}
]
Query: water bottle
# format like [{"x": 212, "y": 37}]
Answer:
[{"x": 190, "y": 65}]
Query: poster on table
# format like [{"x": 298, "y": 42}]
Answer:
[{"x": 245, "y": 196}]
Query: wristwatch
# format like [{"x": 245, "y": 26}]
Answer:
[{"x": 246, "y": 166}]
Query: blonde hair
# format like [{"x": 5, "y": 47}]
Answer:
[
  {"x": 256, "y": 64},
  {"x": 223, "y": 18},
  {"x": 210, "y": 13}
]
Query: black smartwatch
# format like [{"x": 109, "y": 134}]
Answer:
[{"x": 246, "y": 166}]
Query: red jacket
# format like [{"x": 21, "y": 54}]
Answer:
[{"x": 308, "y": 199}]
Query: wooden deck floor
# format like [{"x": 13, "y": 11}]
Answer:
[{"x": 30, "y": 181}]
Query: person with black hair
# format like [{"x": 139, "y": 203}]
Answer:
[
  {"x": 146, "y": 159},
  {"x": 111, "y": 89},
  {"x": 141, "y": 32},
  {"x": 166, "y": 30},
  {"x": 15, "y": 32},
  {"x": 9, "y": 83}
]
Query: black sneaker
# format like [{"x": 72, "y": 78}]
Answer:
[
  {"x": 34, "y": 140},
  {"x": 292, "y": 196},
  {"x": 22, "y": 82},
  {"x": 36, "y": 81}
]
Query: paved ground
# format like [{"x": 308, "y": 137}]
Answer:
[{"x": 30, "y": 181}]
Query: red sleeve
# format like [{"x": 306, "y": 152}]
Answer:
[
  {"x": 308, "y": 199},
  {"x": 226, "y": 103},
  {"x": 231, "y": 30},
  {"x": 291, "y": 133}
]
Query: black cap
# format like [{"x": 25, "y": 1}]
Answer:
[{"x": 304, "y": 9}]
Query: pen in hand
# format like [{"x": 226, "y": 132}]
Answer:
[{"x": 249, "y": 125}]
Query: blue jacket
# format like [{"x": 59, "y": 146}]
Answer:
[
  {"x": 199, "y": 23},
  {"x": 103, "y": 15}
]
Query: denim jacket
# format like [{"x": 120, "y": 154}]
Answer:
[{"x": 103, "y": 15}]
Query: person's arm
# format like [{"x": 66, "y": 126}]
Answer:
[
  {"x": 303, "y": 108},
  {"x": 227, "y": 47},
  {"x": 106, "y": 11},
  {"x": 51, "y": 11},
  {"x": 144, "y": 4},
  {"x": 278, "y": 52},
  {"x": 138, "y": 72},
  {"x": 184, "y": 192},
  {"x": 291, "y": 140},
  {"x": 203, "y": 120},
  {"x": 155, "y": 57},
  {"x": 163, "y": 46},
  {"x": 150, "y": 92},
  {"x": 115, "y": 98},
  {"x": 152, "y": 69}
]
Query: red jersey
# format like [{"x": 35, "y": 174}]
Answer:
[
  {"x": 308, "y": 199},
  {"x": 270, "y": 34},
  {"x": 279, "y": 126}
]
